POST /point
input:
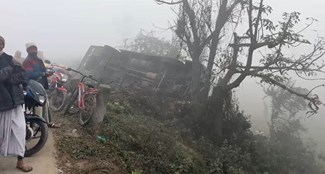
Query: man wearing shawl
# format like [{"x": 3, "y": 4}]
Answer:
[
  {"x": 34, "y": 66},
  {"x": 36, "y": 70},
  {"x": 12, "y": 119}
]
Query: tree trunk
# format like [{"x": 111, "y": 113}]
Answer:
[
  {"x": 196, "y": 82},
  {"x": 213, "y": 113}
]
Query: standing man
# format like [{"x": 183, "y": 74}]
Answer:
[
  {"x": 35, "y": 70},
  {"x": 34, "y": 66},
  {"x": 12, "y": 119}
]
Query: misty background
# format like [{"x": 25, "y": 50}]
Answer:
[{"x": 64, "y": 30}]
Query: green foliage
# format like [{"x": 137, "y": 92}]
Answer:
[
  {"x": 147, "y": 43},
  {"x": 76, "y": 148},
  {"x": 136, "y": 172},
  {"x": 142, "y": 144},
  {"x": 117, "y": 107},
  {"x": 286, "y": 149}
]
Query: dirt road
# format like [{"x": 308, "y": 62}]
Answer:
[{"x": 43, "y": 162}]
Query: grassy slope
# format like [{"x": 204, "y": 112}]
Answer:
[{"x": 129, "y": 142}]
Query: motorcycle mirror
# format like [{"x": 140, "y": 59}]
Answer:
[
  {"x": 47, "y": 61},
  {"x": 69, "y": 69}
]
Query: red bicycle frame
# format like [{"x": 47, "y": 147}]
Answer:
[{"x": 82, "y": 92}]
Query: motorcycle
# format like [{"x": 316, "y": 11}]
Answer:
[
  {"x": 36, "y": 127},
  {"x": 59, "y": 75},
  {"x": 57, "y": 91}
]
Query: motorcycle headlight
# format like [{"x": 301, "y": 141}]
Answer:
[
  {"x": 41, "y": 98},
  {"x": 64, "y": 79}
]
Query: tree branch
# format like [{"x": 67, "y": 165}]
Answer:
[
  {"x": 232, "y": 67},
  {"x": 314, "y": 101},
  {"x": 261, "y": 68},
  {"x": 254, "y": 45},
  {"x": 250, "y": 22},
  {"x": 168, "y": 2},
  {"x": 191, "y": 16},
  {"x": 259, "y": 15}
]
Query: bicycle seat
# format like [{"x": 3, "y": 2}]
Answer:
[
  {"x": 90, "y": 84},
  {"x": 105, "y": 86}
]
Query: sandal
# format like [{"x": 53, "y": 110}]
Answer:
[
  {"x": 25, "y": 168},
  {"x": 53, "y": 125}
]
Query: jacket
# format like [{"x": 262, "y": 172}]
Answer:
[
  {"x": 11, "y": 81},
  {"x": 35, "y": 70}
]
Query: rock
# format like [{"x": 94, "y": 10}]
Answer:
[
  {"x": 82, "y": 164},
  {"x": 74, "y": 133},
  {"x": 69, "y": 165},
  {"x": 100, "y": 111},
  {"x": 60, "y": 171}
]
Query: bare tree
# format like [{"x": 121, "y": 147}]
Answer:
[{"x": 201, "y": 25}]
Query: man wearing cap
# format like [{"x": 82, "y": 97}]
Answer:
[
  {"x": 12, "y": 119},
  {"x": 35, "y": 70},
  {"x": 34, "y": 66}
]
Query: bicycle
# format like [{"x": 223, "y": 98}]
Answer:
[
  {"x": 84, "y": 97},
  {"x": 57, "y": 92}
]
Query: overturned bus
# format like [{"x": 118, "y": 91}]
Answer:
[{"x": 123, "y": 69}]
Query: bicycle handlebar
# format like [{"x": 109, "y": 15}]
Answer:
[{"x": 83, "y": 75}]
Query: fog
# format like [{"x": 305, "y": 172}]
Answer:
[
  {"x": 65, "y": 29},
  {"x": 251, "y": 95}
]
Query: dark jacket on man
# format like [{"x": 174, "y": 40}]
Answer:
[
  {"x": 35, "y": 70},
  {"x": 12, "y": 80}
]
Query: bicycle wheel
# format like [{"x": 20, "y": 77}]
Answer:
[
  {"x": 90, "y": 105},
  {"x": 72, "y": 105},
  {"x": 46, "y": 112},
  {"x": 57, "y": 100}
]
